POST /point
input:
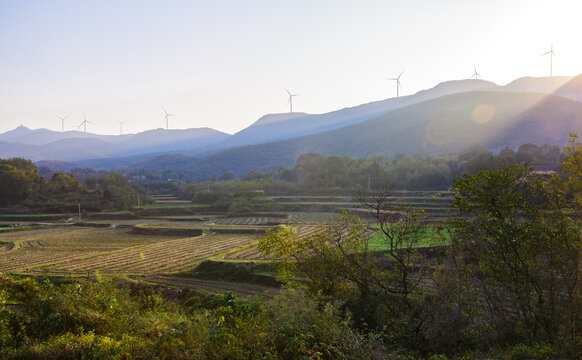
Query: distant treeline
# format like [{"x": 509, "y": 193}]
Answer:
[
  {"x": 26, "y": 185},
  {"x": 22, "y": 185},
  {"x": 322, "y": 174}
]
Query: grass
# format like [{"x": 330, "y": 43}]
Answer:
[{"x": 431, "y": 237}]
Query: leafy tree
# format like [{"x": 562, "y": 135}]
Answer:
[
  {"x": 19, "y": 180},
  {"x": 227, "y": 176},
  {"x": 63, "y": 184},
  {"x": 522, "y": 248},
  {"x": 16, "y": 185},
  {"x": 379, "y": 291}
]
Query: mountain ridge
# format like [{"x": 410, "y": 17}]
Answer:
[{"x": 206, "y": 142}]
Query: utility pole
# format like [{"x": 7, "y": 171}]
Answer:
[{"x": 79, "y": 203}]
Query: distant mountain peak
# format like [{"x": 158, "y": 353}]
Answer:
[
  {"x": 543, "y": 85},
  {"x": 463, "y": 85},
  {"x": 274, "y": 118},
  {"x": 18, "y": 131}
]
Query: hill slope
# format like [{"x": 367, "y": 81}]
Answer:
[
  {"x": 446, "y": 124},
  {"x": 289, "y": 125}
]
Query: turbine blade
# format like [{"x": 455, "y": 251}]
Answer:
[
  {"x": 402, "y": 72},
  {"x": 288, "y": 92}
]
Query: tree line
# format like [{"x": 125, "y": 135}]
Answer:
[
  {"x": 318, "y": 174},
  {"x": 23, "y": 186}
]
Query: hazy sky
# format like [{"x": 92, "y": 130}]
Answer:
[{"x": 224, "y": 64}]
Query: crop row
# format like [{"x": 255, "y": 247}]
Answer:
[
  {"x": 162, "y": 257},
  {"x": 310, "y": 217},
  {"x": 53, "y": 245},
  {"x": 249, "y": 220},
  {"x": 292, "y": 218}
]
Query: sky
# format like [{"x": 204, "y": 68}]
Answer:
[{"x": 224, "y": 64}]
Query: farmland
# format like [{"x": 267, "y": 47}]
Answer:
[{"x": 163, "y": 242}]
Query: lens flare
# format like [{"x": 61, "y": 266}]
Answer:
[{"x": 483, "y": 113}]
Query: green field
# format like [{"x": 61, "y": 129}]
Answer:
[{"x": 431, "y": 237}]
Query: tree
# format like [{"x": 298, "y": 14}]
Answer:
[
  {"x": 16, "y": 185},
  {"x": 19, "y": 180},
  {"x": 572, "y": 168},
  {"x": 380, "y": 290},
  {"x": 522, "y": 246},
  {"x": 227, "y": 176},
  {"x": 63, "y": 184}
]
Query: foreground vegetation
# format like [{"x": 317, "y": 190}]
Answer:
[{"x": 108, "y": 320}]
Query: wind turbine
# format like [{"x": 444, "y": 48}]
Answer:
[
  {"x": 63, "y": 122},
  {"x": 290, "y": 101},
  {"x": 121, "y": 126},
  {"x": 166, "y": 116},
  {"x": 84, "y": 124},
  {"x": 398, "y": 85},
  {"x": 476, "y": 75},
  {"x": 552, "y": 54}
]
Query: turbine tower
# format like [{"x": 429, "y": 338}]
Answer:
[
  {"x": 121, "y": 126},
  {"x": 398, "y": 85},
  {"x": 552, "y": 54},
  {"x": 290, "y": 101},
  {"x": 84, "y": 124},
  {"x": 476, "y": 75},
  {"x": 166, "y": 116},
  {"x": 63, "y": 122}
]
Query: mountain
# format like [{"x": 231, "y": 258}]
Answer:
[
  {"x": 542, "y": 85},
  {"x": 108, "y": 152},
  {"x": 289, "y": 125},
  {"x": 572, "y": 89},
  {"x": 447, "y": 124},
  {"x": 43, "y": 144},
  {"x": 275, "y": 127},
  {"x": 161, "y": 140},
  {"x": 24, "y": 135},
  {"x": 19, "y": 131}
]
